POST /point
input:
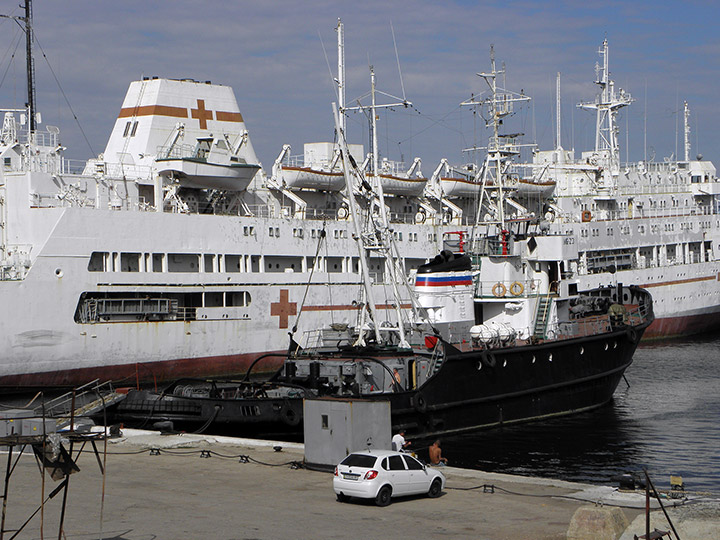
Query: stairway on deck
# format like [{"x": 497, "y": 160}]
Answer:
[{"x": 541, "y": 317}]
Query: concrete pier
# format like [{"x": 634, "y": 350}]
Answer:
[{"x": 181, "y": 493}]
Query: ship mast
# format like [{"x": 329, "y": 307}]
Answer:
[
  {"x": 341, "y": 73},
  {"x": 558, "y": 143},
  {"x": 499, "y": 104},
  {"x": 686, "y": 125},
  {"x": 379, "y": 236},
  {"x": 30, "y": 64},
  {"x": 607, "y": 104}
]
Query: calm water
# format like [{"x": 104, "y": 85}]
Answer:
[{"x": 668, "y": 421}]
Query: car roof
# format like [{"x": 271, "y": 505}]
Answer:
[{"x": 377, "y": 452}]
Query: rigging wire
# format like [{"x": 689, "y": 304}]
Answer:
[
  {"x": 323, "y": 235},
  {"x": 327, "y": 61},
  {"x": 397, "y": 57},
  {"x": 18, "y": 36},
  {"x": 67, "y": 101}
]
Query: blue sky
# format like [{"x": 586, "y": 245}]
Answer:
[{"x": 271, "y": 53}]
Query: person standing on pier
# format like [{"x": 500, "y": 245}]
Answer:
[{"x": 398, "y": 441}]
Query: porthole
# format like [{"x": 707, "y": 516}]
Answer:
[
  {"x": 479, "y": 365},
  {"x": 504, "y": 363},
  {"x": 614, "y": 344},
  {"x": 606, "y": 346},
  {"x": 58, "y": 272},
  {"x": 582, "y": 350},
  {"x": 533, "y": 359},
  {"x": 550, "y": 357}
]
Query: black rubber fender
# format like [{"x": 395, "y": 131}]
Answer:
[
  {"x": 419, "y": 402},
  {"x": 632, "y": 334},
  {"x": 488, "y": 359},
  {"x": 289, "y": 415}
]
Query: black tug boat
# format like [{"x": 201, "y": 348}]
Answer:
[{"x": 435, "y": 386}]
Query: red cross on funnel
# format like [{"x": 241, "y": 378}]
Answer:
[{"x": 202, "y": 114}]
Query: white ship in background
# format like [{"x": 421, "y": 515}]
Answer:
[{"x": 173, "y": 253}]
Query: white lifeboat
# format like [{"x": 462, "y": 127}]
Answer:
[{"x": 209, "y": 165}]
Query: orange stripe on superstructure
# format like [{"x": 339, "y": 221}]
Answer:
[
  {"x": 228, "y": 116},
  {"x": 157, "y": 110},
  {"x": 681, "y": 281}
]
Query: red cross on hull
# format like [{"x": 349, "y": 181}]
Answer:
[{"x": 284, "y": 308}]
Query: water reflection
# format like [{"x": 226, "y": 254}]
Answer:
[{"x": 666, "y": 421}]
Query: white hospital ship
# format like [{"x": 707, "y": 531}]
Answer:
[{"x": 173, "y": 253}]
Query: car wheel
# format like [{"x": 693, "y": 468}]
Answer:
[
  {"x": 384, "y": 495},
  {"x": 341, "y": 497},
  {"x": 435, "y": 488}
]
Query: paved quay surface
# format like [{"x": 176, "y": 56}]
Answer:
[{"x": 179, "y": 494}]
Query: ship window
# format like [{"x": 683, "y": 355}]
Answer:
[
  {"x": 127, "y": 129},
  {"x": 8, "y": 163},
  {"x": 237, "y": 299},
  {"x": 334, "y": 264},
  {"x": 134, "y": 129},
  {"x": 183, "y": 262},
  {"x": 209, "y": 260},
  {"x": 232, "y": 263},
  {"x": 97, "y": 261},
  {"x": 129, "y": 262},
  {"x": 272, "y": 231},
  {"x": 157, "y": 262},
  {"x": 213, "y": 299}
]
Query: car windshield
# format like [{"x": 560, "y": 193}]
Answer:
[{"x": 359, "y": 460}]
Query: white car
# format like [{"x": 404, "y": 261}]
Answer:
[{"x": 383, "y": 474}]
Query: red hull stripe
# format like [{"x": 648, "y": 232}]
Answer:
[
  {"x": 675, "y": 327},
  {"x": 681, "y": 281},
  {"x": 148, "y": 372}
]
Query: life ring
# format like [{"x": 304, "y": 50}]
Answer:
[
  {"x": 419, "y": 402},
  {"x": 420, "y": 218},
  {"x": 586, "y": 216},
  {"x": 342, "y": 213},
  {"x": 499, "y": 290},
  {"x": 517, "y": 288},
  {"x": 488, "y": 359}
]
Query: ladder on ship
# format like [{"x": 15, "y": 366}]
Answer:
[
  {"x": 542, "y": 316},
  {"x": 80, "y": 402}
]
